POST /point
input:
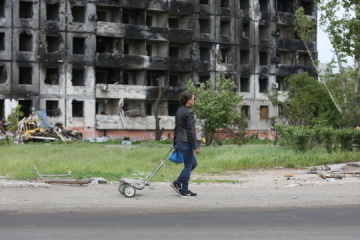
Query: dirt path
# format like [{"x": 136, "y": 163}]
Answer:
[{"x": 250, "y": 189}]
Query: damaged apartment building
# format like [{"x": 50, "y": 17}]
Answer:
[{"x": 96, "y": 65}]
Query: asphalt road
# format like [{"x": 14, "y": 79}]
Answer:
[{"x": 295, "y": 224}]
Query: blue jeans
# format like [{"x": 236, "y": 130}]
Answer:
[{"x": 190, "y": 164}]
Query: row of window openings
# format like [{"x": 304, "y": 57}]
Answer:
[
  {"x": 53, "y": 110},
  {"x": 133, "y": 16},
  {"x": 79, "y": 14},
  {"x": 281, "y": 5},
  {"x": 114, "y": 45},
  {"x": 52, "y": 78}
]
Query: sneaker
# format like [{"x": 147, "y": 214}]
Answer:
[
  {"x": 176, "y": 186},
  {"x": 187, "y": 193}
]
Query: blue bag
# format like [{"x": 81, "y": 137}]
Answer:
[{"x": 176, "y": 157}]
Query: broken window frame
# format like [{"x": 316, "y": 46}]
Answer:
[
  {"x": 52, "y": 11},
  {"x": 245, "y": 110},
  {"x": 78, "y": 77},
  {"x": 245, "y": 84},
  {"x": 25, "y": 75},
  {"x": 78, "y": 45},
  {"x": 53, "y": 43},
  {"x": 26, "y": 10},
  {"x": 2, "y": 41},
  {"x": 204, "y": 26},
  {"x": 263, "y": 84},
  {"x": 77, "y": 109},
  {"x": 78, "y": 13},
  {"x": 50, "y": 79},
  {"x": 25, "y": 42},
  {"x": 52, "y": 108}
]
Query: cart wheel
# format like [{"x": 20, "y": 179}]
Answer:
[
  {"x": 129, "y": 191},
  {"x": 122, "y": 187}
]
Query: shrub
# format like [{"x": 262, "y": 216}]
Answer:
[
  {"x": 327, "y": 138},
  {"x": 344, "y": 137}
]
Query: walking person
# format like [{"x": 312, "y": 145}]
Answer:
[{"x": 185, "y": 141}]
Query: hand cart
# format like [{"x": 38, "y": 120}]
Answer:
[{"x": 128, "y": 186}]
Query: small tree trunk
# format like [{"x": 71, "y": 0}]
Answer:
[{"x": 159, "y": 132}]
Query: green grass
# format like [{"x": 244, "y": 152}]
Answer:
[{"x": 99, "y": 160}]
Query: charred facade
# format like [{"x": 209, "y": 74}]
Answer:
[{"x": 96, "y": 66}]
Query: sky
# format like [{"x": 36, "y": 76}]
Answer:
[{"x": 324, "y": 47}]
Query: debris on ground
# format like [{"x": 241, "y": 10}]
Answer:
[
  {"x": 67, "y": 178},
  {"x": 348, "y": 170},
  {"x": 35, "y": 128}
]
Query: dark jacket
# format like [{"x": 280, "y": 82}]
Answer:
[{"x": 185, "y": 127}]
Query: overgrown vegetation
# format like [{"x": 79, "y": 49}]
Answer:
[{"x": 112, "y": 162}]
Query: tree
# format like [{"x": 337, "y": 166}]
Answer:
[
  {"x": 216, "y": 107},
  {"x": 13, "y": 119},
  {"x": 343, "y": 31},
  {"x": 161, "y": 91},
  {"x": 308, "y": 103}
]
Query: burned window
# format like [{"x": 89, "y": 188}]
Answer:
[
  {"x": 264, "y": 112},
  {"x": 78, "y": 78},
  {"x": 245, "y": 30},
  {"x": 245, "y": 110},
  {"x": 244, "y": 57},
  {"x": 125, "y": 78},
  {"x": 149, "y": 21},
  {"x": 244, "y": 84},
  {"x": 52, "y": 108},
  {"x": 174, "y": 51},
  {"x": 3, "y": 75},
  {"x": 136, "y": 17},
  {"x": 307, "y": 5},
  {"x": 2, "y": 8},
  {"x": 26, "y": 107},
  {"x": 204, "y": 54},
  {"x": 26, "y": 9},
  {"x": 204, "y": 2},
  {"x": 263, "y": 32},
  {"x": 108, "y": 76},
  {"x": 126, "y": 48},
  {"x": 52, "y": 11},
  {"x": 25, "y": 75},
  {"x": 108, "y": 45},
  {"x": 149, "y": 109},
  {"x": 204, "y": 78},
  {"x": 78, "y": 14},
  {"x": 77, "y": 108},
  {"x": 172, "y": 108},
  {"x": 173, "y": 80},
  {"x": 225, "y": 28},
  {"x": 263, "y": 84},
  {"x": 225, "y": 55},
  {"x": 25, "y": 42},
  {"x": 52, "y": 76},
  {"x": 285, "y": 6},
  {"x": 53, "y": 43},
  {"x": 2, "y": 41},
  {"x": 305, "y": 60},
  {"x": 263, "y": 58},
  {"x": 151, "y": 80},
  {"x": 263, "y": 5},
  {"x": 78, "y": 45},
  {"x": 204, "y": 26},
  {"x": 244, "y": 5},
  {"x": 108, "y": 14},
  {"x": 149, "y": 50},
  {"x": 173, "y": 22},
  {"x": 224, "y": 3}
]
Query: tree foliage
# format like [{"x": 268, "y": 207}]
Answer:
[
  {"x": 341, "y": 21},
  {"x": 217, "y": 106},
  {"x": 307, "y": 103}
]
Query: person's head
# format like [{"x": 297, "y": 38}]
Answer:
[{"x": 187, "y": 98}]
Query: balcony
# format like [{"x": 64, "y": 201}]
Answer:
[{"x": 117, "y": 91}]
